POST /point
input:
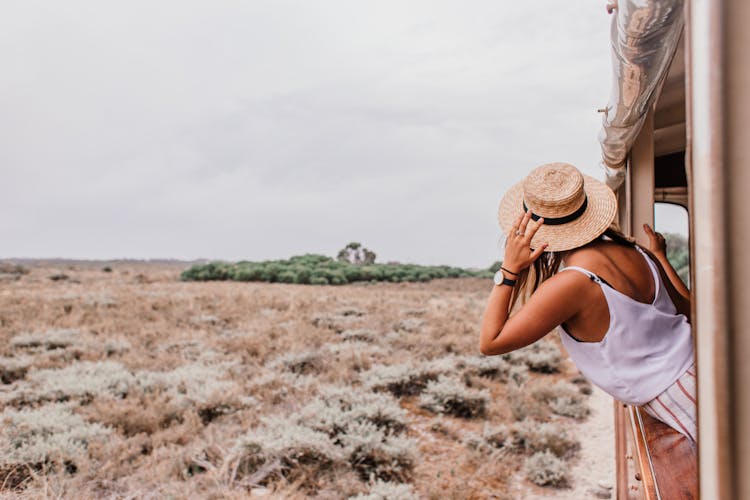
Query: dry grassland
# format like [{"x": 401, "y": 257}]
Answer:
[{"x": 132, "y": 384}]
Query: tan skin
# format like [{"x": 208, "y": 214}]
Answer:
[{"x": 570, "y": 297}]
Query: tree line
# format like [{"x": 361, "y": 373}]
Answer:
[{"x": 353, "y": 263}]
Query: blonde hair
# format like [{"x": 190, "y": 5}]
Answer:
[{"x": 549, "y": 263}]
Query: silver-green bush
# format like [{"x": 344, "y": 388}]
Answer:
[
  {"x": 14, "y": 368},
  {"x": 339, "y": 429},
  {"x": 374, "y": 453},
  {"x": 49, "y": 339},
  {"x": 542, "y": 357},
  {"x": 404, "y": 379},
  {"x": 360, "y": 334},
  {"x": 83, "y": 380},
  {"x": 50, "y": 433},
  {"x": 292, "y": 446},
  {"x": 527, "y": 437},
  {"x": 545, "y": 469},
  {"x": 303, "y": 362},
  {"x": 203, "y": 386},
  {"x": 382, "y": 490},
  {"x": 564, "y": 399},
  {"x": 336, "y": 409},
  {"x": 451, "y": 396},
  {"x": 532, "y": 437},
  {"x": 494, "y": 367}
]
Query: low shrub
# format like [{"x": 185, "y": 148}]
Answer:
[
  {"x": 525, "y": 437},
  {"x": 138, "y": 413},
  {"x": 519, "y": 374},
  {"x": 49, "y": 339},
  {"x": 451, "y": 397},
  {"x": 545, "y": 469},
  {"x": 351, "y": 311},
  {"x": 355, "y": 348},
  {"x": 408, "y": 325},
  {"x": 522, "y": 406},
  {"x": 336, "y": 409},
  {"x": 199, "y": 386},
  {"x": 302, "y": 363},
  {"x": 14, "y": 368},
  {"x": 532, "y": 437},
  {"x": 382, "y": 490},
  {"x": 570, "y": 406},
  {"x": 374, "y": 453},
  {"x": 340, "y": 428},
  {"x": 583, "y": 384},
  {"x": 542, "y": 357},
  {"x": 84, "y": 381},
  {"x": 494, "y": 367},
  {"x": 336, "y": 322},
  {"x": 113, "y": 347},
  {"x": 361, "y": 335},
  {"x": 205, "y": 319},
  {"x": 50, "y": 434},
  {"x": 409, "y": 379},
  {"x": 206, "y": 387},
  {"x": 563, "y": 398},
  {"x": 495, "y": 436},
  {"x": 299, "y": 451},
  {"x": 400, "y": 380}
]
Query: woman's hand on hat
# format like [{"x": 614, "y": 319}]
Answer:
[
  {"x": 518, "y": 252},
  {"x": 656, "y": 242}
]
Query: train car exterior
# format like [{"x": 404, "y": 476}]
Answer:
[{"x": 675, "y": 131}]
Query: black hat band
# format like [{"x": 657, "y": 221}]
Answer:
[{"x": 556, "y": 221}]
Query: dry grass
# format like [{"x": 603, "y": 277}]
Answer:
[{"x": 129, "y": 383}]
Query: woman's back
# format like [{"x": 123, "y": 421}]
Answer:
[
  {"x": 624, "y": 269},
  {"x": 645, "y": 345}
]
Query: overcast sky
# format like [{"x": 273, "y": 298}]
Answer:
[{"x": 265, "y": 129}]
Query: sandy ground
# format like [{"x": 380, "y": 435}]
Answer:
[{"x": 596, "y": 467}]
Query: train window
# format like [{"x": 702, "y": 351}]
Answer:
[{"x": 671, "y": 220}]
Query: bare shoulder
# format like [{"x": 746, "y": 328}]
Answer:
[
  {"x": 563, "y": 284},
  {"x": 558, "y": 299},
  {"x": 563, "y": 295}
]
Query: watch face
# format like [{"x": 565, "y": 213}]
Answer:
[{"x": 498, "y": 279}]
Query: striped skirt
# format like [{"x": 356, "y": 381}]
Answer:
[{"x": 676, "y": 405}]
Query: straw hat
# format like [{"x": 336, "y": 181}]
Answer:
[{"x": 576, "y": 208}]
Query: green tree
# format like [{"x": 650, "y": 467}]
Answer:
[
  {"x": 355, "y": 253},
  {"x": 678, "y": 254}
]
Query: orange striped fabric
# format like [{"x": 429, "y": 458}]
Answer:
[{"x": 676, "y": 406}]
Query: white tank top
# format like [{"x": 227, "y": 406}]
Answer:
[{"x": 645, "y": 350}]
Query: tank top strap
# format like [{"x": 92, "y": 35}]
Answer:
[
  {"x": 654, "y": 271},
  {"x": 588, "y": 273}
]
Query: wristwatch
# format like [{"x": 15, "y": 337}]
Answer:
[{"x": 500, "y": 279}]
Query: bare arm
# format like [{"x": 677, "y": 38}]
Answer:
[
  {"x": 658, "y": 247},
  {"x": 546, "y": 309}
]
